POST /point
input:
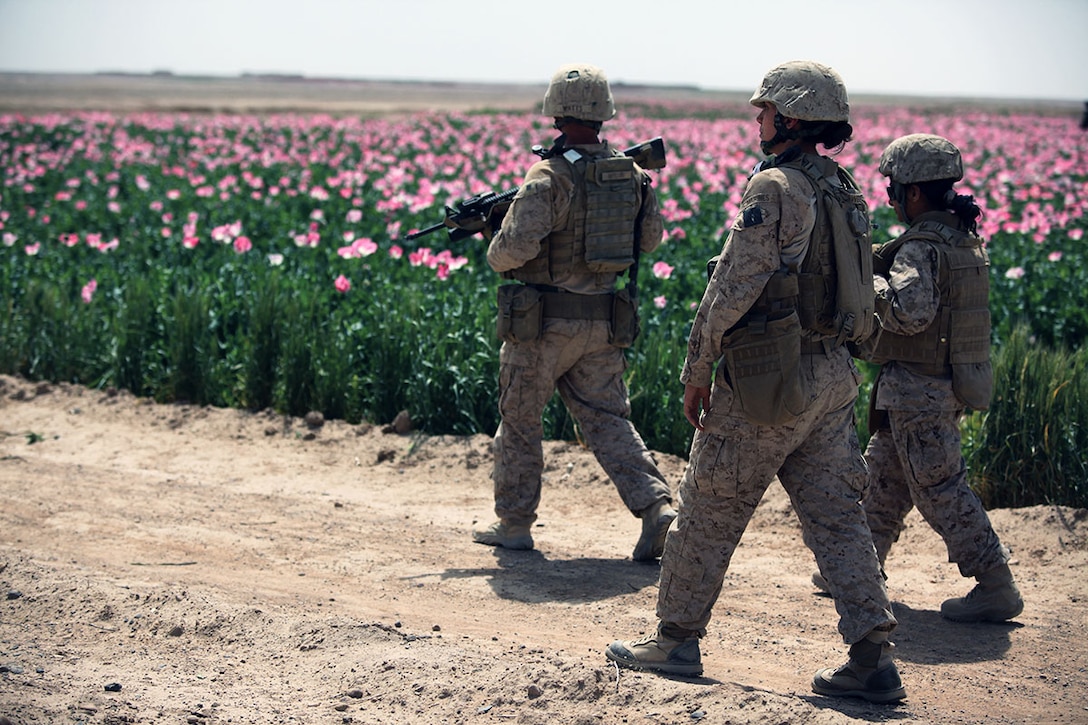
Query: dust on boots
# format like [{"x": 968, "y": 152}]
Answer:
[
  {"x": 994, "y": 599},
  {"x": 670, "y": 650},
  {"x": 870, "y": 673},
  {"x": 506, "y": 535}
]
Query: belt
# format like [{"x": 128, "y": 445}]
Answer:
[{"x": 573, "y": 306}]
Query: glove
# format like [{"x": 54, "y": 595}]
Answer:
[
  {"x": 470, "y": 224},
  {"x": 494, "y": 220}
]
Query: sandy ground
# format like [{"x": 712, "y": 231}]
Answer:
[{"x": 180, "y": 564}]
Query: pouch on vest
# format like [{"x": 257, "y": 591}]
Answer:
[
  {"x": 521, "y": 313},
  {"x": 972, "y": 373},
  {"x": 837, "y": 298},
  {"x": 612, "y": 203},
  {"x": 625, "y": 325},
  {"x": 764, "y": 368}
]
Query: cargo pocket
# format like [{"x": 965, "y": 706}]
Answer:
[{"x": 715, "y": 466}]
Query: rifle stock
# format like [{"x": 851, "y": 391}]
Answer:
[{"x": 649, "y": 155}]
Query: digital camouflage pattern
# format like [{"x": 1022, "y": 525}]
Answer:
[
  {"x": 771, "y": 231},
  {"x": 921, "y": 157},
  {"x": 818, "y": 462},
  {"x": 543, "y": 205},
  {"x": 575, "y": 358},
  {"x": 571, "y": 356},
  {"x": 731, "y": 463},
  {"x": 915, "y": 459}
]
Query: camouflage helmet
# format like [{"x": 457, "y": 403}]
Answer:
[
  {"x": 581, "y": 91},
  {"x": 921, "y": 157},
  {"x": 805, "y": 90}
]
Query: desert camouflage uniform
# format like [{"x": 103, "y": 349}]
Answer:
[
  {"x": 573, "y": 356},
  {"x": 732, "y": 461},
  {"x": 914, "y": 456}
]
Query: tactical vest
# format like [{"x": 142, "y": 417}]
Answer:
[
  {"x": 960, "y": 332},
  {"x": 833, "y": 289},
  {"x": 599, "y": 236}
]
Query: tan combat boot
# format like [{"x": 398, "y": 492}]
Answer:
[
  {"x": 656, "y": 520},
  {"x": 870, "y": 673},
  {"x": 658, "y": 652},
  {"x": 994, "y": 599},
  {"x": 506, "y": 535}
]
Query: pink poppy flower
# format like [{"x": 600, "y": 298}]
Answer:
[
  {"x": 87, "y": 293},
  {"x": 662, "y": 270},
  {"x": 242, "y": 245},
  {"x": 342, "y": 284}
]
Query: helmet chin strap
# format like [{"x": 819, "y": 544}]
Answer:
[
  {"x": 781, "y": 134},
  {"x": 899, "y": 196}
]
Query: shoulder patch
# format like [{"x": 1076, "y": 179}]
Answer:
[{"x": 752, "y": 217}]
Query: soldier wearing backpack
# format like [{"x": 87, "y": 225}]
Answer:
[
  {"x": 770, "y": 388},
  {"x": 935, "y": 362}
]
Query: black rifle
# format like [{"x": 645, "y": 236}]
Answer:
[{"x": 468, "y": 216}]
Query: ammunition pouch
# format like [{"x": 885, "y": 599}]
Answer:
[
  {"x": 973, "y": 384},
  {"x": 969, "y": 356},
  {"x": 625, "y": 323},
  {"x": 521, "y": 313},
  {"x": 763, "y": 364}
]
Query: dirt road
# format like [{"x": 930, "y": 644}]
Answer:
[{"x": 178, "y": 564}]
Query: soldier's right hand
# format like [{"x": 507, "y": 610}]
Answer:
[{"x": 696, "y": 404}]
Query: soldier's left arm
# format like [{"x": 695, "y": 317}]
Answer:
[
  {"x": 751, "y": 254},
  {"x": 911, "y": 289},
  {"x": 539, "y": 207}
]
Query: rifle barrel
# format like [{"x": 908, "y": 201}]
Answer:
[{"x": 424, "y": 232}]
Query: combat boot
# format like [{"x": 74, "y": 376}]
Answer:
[
  {"x": 994, "y": 599},
  {"x": 656, "y": 520},
  {"x": 506, "y": 535},
  {"x": 658, "y": 652},
  {"x": 869, "y": 674}
]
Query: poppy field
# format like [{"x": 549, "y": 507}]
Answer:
[{"x": 261, "y": 262}]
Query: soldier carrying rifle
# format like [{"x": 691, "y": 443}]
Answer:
[{"x": 580, "y": 219}]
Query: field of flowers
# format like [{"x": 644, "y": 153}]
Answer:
[{"x": 261, "y": 262}]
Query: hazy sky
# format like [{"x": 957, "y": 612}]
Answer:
[{"x": 1034, "y": 49}]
